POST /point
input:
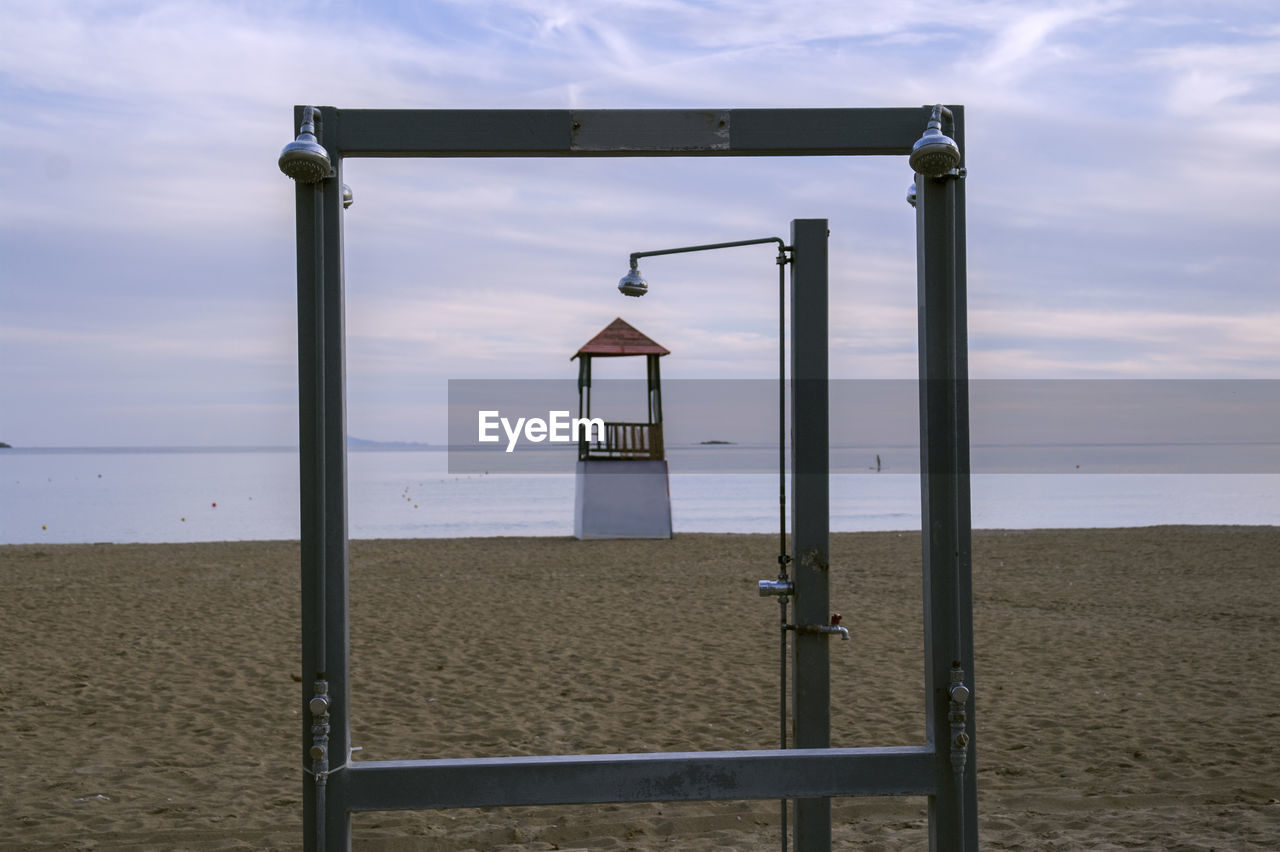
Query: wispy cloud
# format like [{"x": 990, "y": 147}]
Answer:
[
  {"x": 1119, "y": 191},
  {"x": 1227, "y": 92},
  {"x": 1072, "y": 344}
]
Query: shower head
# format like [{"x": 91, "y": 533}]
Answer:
[
  {"x": 632, "y": 284},
  {"x": 305, "y": 159},
  {"x": 348, "y": 197},
  {"x": 935, "y": 153}
]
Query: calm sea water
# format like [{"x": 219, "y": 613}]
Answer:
[{"x": 130, "y": 495}]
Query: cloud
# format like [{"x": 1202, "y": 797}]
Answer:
[
  {"x": 1023, "y": 39},
  {"x": 1119, "y": 190},
  {"x": 1223, "y": 92},
  {"x": 244, "y": 340},
  {"x": 196, "y": 380},
  {"x": 1071, "y": 344}
]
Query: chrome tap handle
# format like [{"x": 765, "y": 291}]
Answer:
[{"x": 775, "y": 587}]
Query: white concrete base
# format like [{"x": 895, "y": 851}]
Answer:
[{"x": 622, "y": 499}]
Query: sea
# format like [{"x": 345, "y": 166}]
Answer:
[{"x": 85, "y": 495}]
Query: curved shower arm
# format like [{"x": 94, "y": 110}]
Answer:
[
  {"x": 940, "y": 112},
  {"x": 782, "y": 247},
  {"x": 311, "y": 115}
]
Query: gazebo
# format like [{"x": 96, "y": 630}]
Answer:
[{"x": 622, "y": 489}]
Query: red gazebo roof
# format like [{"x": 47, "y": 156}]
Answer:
[{"x": 617, "y": 339}]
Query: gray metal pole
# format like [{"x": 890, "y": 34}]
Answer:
[
  {"x": 945, "y": 508},
  {"x": 629, "y": 133},
  {"x": 964, "y": 562},
  {"x": 323, "y": 480},
  {"x": 811, "y": 516},
  {"x": 310, "y": 229},
  {"x": 337, "y": 641}
]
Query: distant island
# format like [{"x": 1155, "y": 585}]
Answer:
[
  {"x": 704, "y": 443},
  {"x": 4, "y": 446}
]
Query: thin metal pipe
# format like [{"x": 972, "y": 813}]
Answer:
[
  {"x": 782, "y": 702},
  {"x": 320, "y": 814},
  {"x": 635, "y": 256},
  {"x": 782, "y": 407},
  {"x": 783, "y": 558}
]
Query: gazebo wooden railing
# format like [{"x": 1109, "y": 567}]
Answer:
[{"x": 624, "y": 441}]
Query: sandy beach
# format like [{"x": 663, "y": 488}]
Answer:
[{"x": 1126, "y": 685}]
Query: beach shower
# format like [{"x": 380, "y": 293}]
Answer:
[
  {"x": 935, "y": 153},
  {"x": 633, "y": 284},
  {"x": 305, "y": 159},
  {"x": 810, "y": 772}
]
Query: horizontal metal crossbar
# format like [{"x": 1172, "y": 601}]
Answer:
[
  {"x": 622, "y": 133},
  {"x": 654, "y": 777}
]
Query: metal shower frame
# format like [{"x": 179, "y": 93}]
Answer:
[{"x": 943, "y": 769}]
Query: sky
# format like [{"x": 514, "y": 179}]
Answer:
[{"x": 1122, "y": 188}]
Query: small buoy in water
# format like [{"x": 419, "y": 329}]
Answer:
[
  {"x": 43, "y": 527},
  {"x": 215, "y": 505},
  {"x": 184, "y": 520}
]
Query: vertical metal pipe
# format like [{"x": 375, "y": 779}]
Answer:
[
  {"x": 964, "y": 562},
  {"x": 783, "y": 557},
  {"x": 323, "y": 528},
  {"x": 782, "y": 415},
  {"x": 319, "y": 745},
  {"x": 316, "y": 427},
  {"x": 945, "y": 513},
  {"x": 810, "y": 513},
  {"x": 782, "y": 704},
  {"x": 334, "y": 413},
  {"x": 310, "y": 258}
]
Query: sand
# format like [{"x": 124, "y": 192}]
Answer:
[{"x": 1126, "y": 686}]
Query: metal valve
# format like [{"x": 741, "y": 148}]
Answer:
[
  {"x": 775, "y": 587},
  {"x": 319, "y": 705},
  {"x": 959, "y": 694}
]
